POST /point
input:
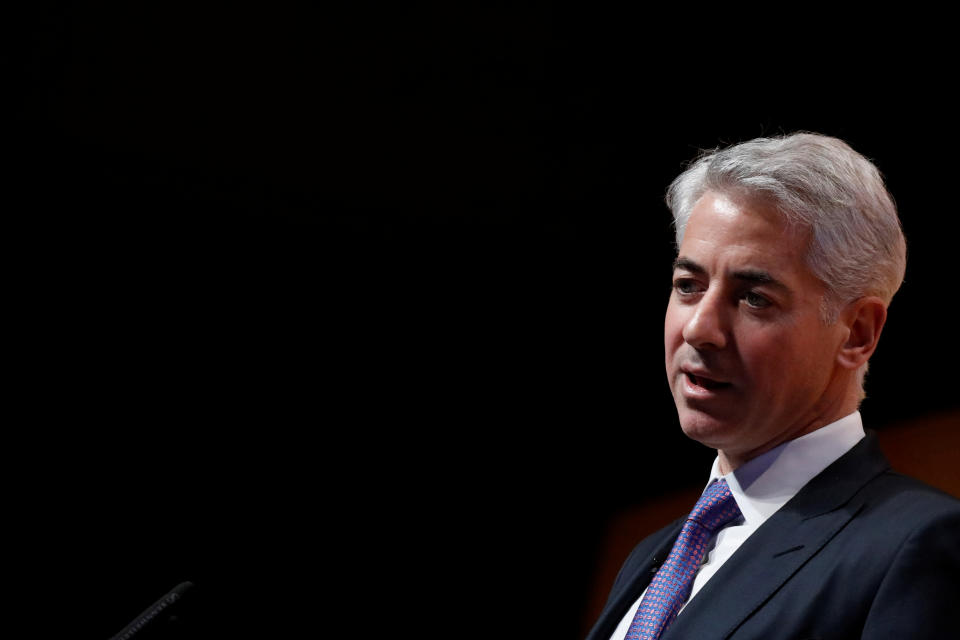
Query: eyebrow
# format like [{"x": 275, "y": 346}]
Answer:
[{"x": 753, "y": 276}]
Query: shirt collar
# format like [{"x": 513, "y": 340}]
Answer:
[{"x": 764, "y": 484}]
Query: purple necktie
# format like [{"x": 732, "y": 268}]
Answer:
[{"x": 670, "y": 588}]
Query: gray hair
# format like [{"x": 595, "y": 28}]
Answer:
[{"x": 820, "y": 183}]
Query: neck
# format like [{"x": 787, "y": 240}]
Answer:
[{"x": 730, "y": 459}]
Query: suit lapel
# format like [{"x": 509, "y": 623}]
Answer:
[
  {"x": 780, "y": 547},
  {"x": 640, "y": 576}
]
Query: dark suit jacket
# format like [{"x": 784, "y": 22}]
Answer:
[{"x": 859, "y": 552}]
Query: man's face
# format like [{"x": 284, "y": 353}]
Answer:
[{"x": 749, "y": 360}]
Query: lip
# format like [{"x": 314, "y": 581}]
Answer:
[{"x": 698, "y": 383}]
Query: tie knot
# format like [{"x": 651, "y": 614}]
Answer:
[{"x": 716, "y": 507}]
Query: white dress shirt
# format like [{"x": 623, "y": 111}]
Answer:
[{"x": 763, "y": 485}]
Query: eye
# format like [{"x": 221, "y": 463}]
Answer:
[
  {"x": 686, "y": 286},
  {"x": 755, "y": 300}
]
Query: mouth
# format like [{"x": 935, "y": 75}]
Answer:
[{"x": 703, "y": 383}]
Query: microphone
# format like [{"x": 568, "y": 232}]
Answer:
[
  {"x": 153, "y": 611},
  {"x": 655, "y": 565}
]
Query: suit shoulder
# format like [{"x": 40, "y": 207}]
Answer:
[
  {"x": 909, "y": 500},
  {"x": 905, "y": 487}
]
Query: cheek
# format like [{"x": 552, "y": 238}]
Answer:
[
  {"x": 672, "y": 334},
  {"x": 765, "y": 357},
  {"x": 673, "y": 326},
  {"x": 782, "y": 362}
]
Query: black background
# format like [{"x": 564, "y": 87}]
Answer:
[{"x": 354, "y": 317}]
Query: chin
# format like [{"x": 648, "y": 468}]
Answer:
[{"x": 708, "y": 430}]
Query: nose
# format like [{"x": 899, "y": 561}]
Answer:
[{"x": 706, "y": 327}]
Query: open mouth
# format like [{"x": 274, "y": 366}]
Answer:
[{"x": 706, "y": 383}]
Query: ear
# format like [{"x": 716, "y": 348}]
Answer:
[{"x": 864, "y": 319}]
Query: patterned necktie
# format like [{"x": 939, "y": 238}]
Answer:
[{"x": 671, "y": 587}]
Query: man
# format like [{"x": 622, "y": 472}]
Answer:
[{"x": 789, "y": 253}]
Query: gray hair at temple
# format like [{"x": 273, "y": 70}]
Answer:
[{"x": 820, "y": 183}]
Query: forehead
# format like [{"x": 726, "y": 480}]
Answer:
[{"x": 734, "y": 232}]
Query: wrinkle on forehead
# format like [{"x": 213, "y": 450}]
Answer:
[
  {"x": 742, "y": 222},
  {"x": 730, "y": 234},
  {"x": 744, "y": 254},
  {"x": 729, "y": 203}
]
